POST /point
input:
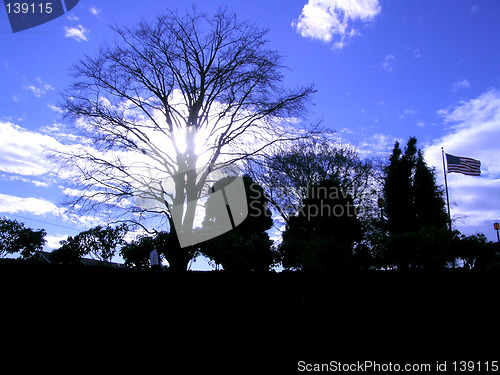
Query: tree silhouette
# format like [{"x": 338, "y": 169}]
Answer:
[
  {"x": 164, "y": 106},
  {"x": 399, "y": 207},
  {"x": 291, "y": 169},
  {"x": 136, "y": 253},
  {"x": 99, "y": 242},
  {"x": 247, "y": 247},
  {"x": 322, "y": 235},
  {"x": 428, "y": 197},
  {"x": 178, "y": 258},
  {"x": 415, "y": 211},
  {"x": 16, "y": 238}
]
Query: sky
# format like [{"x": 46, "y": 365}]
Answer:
[{"x": 383, "y": 70}]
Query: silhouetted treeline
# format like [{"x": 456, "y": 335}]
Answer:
[{"x": 340, "y": 213}]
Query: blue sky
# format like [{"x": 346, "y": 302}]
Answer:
[{"x": 383, "y": 70}]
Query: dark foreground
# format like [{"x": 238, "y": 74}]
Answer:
[{"x": 261, "y": 321}]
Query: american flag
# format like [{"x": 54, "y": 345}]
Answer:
[{"x": 459, "y": 164}]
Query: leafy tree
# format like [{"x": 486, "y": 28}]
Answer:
[
  {"x": 477, "y": 252},
  {"x": 430, "y": 248},
  {"x": 322, "y": 235},
  {"x": 68, "y": 253},
  {"x": 16, "y": 238},
  {"x": 167, "y": 103},
  {"x": 290, "y": 170},
  {"x": 99, "y": 242},
  {"x": 178, "y": 258},
  {"x": 136, "y": 253},
  {"x": 246, "y": 247}
]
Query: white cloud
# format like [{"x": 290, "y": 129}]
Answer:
[
  {"x": 60, "y": 133},
  {"x": 56, "y": 109},
  {"x": 11, "y": 204},
  {"x": 37, "y": 183},
  {"x": 78, "y": 33},
  {"x": 473, "y": 131},
  {"x": 53, "y": 241},
  {"x": 377, "y": 145},
  {"x": 407, "y": 112},
  {"x": 462, "y": 84},
  {"x": 95, "y": 11},
  {"x": 21, "y": 150},
  {"x": 387, "y": 64},
  {"x": 39, "y": 88},
  {"x": 324, "y": 19}
]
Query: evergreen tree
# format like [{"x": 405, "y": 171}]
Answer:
[
  {"x": 415, "y": 211},
  {"x": 399, "y": 206},
  {"x": 428, "y": 197}
]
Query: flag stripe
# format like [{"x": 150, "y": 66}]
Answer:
[
  {"x": 466, "y": 172},
  {"x": 463, "y": 165}
]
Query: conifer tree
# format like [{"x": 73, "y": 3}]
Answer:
[
  {"x": 415, "y": 211},
  {"x": 428, "y": 197}
]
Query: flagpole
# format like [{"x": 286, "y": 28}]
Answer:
[{"x": 446, "y": 188}]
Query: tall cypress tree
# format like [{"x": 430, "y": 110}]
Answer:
[
  {"x": 398, "y": 188},
  {"x": 413, "y": 199},
  {"x": 428, "y": 197},
  {"x": 415, "y": 211}
]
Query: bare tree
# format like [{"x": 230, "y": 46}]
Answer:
[{"x": 168, "y": 103}]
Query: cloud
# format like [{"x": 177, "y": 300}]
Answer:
[
  {"x": 407, "y": 112},
  {"x": 39, "y": 88},
  {"x": 59, "y": 132},
  {"x": 387, "y": 64},
  {"x": 21, "y": 150},
  {"x": 78, "y": 33},
  {"x": 377, "y": 145},
  {"x": 473, "y": 131},
  {"x": 53, "y": 242},
  {"x": 56, "y": 109},
  {"x": 462, "y": 84},
  {"x": 94, "y": 11},
  {"x": 324, "y": 19},
  {"x": 37, "y": 183},
  {"x": 11, "y": 204}
]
